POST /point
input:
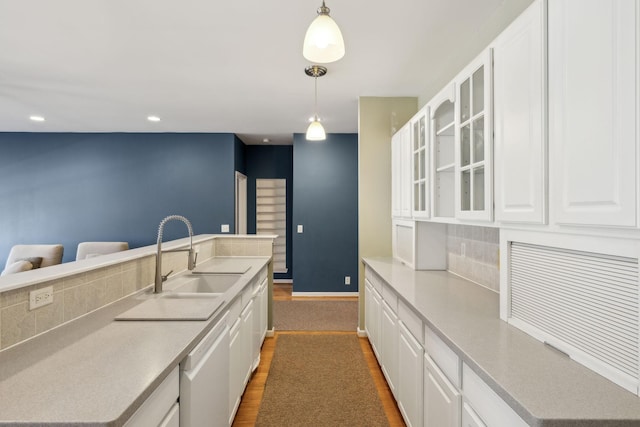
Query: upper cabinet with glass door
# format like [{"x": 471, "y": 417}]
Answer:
[
  {"x": 474, "y": 141},
  {"x": 420, "y": 150},
  {"x": 443, "y": 131}
]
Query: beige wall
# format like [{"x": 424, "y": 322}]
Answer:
[{"x": 379, "y": 118}]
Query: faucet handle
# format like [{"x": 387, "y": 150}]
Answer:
[{"x": 166, "y": 276}]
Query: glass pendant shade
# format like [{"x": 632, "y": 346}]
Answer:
[
  {"x": 315, "y": 131},
  {"x": 323, "y": 42}
]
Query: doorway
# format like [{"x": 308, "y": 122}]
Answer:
[{"x": 241, "y": 203}]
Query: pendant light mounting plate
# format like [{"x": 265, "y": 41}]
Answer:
[{"x": 315, "y": 71}]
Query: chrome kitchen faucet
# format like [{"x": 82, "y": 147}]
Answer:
[{"x": 191, "y": 263}]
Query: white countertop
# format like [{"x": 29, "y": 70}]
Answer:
[
  {"x": 95, "y": 371},
  {"x": 544, "y": 387}
]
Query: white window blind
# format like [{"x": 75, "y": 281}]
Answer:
[
  {"x": 586, "y": 300},
  {"x": 271, "y": 217}
]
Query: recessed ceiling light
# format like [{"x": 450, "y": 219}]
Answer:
[
  {"x": 36, "y": 118},
  {"x": 153, "y": 118},
  {"x": 266, "y": 140}
]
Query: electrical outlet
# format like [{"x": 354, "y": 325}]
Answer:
[
  {"x": 347, "y": 280},
  {"x": 299, "y": 228},
  {"x": 463, "y": 250},
  {"x": 224, "y": 228},
  {"x": 40, "y": 297}
]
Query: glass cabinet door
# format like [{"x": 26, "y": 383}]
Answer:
[
  {"x": 419, "y": 147},
  {"x": 473, "y": 147},
  {"x": 443, "y": 131}
]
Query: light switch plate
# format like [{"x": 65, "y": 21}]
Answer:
[
  {"x": 299, "y": 228},
  {"x": 224, "y": 228}
]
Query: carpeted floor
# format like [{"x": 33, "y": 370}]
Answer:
[
  {"x": 315, "y": 315},
  {"x": 319, "y": 380}
]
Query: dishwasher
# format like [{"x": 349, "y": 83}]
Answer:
[{"x": 204, "y": 380}]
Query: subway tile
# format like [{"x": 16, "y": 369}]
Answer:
[
  {"x": 75, "y": 280},
  {"x": 130, "y": 280},
  {"x": 492, "y": 254},
  {"x": 58, "y": 285},
  {"x": 114, "y": 288},
  {"x": 95, "y": 293},
  {"x": 75, "y": 302},
  {"x": 223, "y": 248},
  {"x": 476, "y": 251},
  {"x": 491, "y": 235},
  {"x": 18, "y": 324},
  {"x": 51, "y": 315},
  {"x": 477, "y": 233},
  {"x": 15, "y": 296}
]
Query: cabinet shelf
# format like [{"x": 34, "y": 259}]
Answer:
[
  {"x": 446, "y": 129},
  {"x": 446, "y": 168}
]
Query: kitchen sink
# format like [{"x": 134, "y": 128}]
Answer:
[
  {"x": 203, "y": 284},
  {"x": 185, "y": 297}
]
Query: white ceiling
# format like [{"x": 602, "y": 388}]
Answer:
[{"x": 224, "y": 66}]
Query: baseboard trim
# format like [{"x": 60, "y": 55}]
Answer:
[
  {"x": 325, "y": 294},
  {"x": 362, "y": 333},
  {"x": 271, "y": 333},
  {"x": 287, "y": 281}
]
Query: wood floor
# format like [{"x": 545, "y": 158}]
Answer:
[{"x": 248, "y": 411}]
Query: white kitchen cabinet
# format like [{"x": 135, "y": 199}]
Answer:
[
  {"x": 240, "y": 349},
  {"x": 470, "y": 418},
  {"x": 442, "y": 400},
  {"x": 401, "y": 172},
  {"x": 246, "y": 332},
  {"x": 443, "y": 130},
  {"x": 235, "y": 368},
  {"x": 420, "y": 161},
  {"x": 474, "y": 140},
  {"x": 372, "y": 314},
  {"x": 593, "y": 112},
  {"x": 259, "y": 322},
  {"x": 389, "y": 346},
  {"x": 160, "y": 407},
  {"x": 420, "y": 245},
  {"x": 485, "y": 403},
  {"x": 410, "y": 393},
  {"x": 204, "y": 380},
  {"x": 519, "y": 71}
]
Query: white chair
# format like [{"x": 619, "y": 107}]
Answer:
[
  {"x": 94, "y": 249},
  {"x": 29, "y": 257}
]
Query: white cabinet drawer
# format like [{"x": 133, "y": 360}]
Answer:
[
  {"x": 373, "y": 278},
  {"x": 411, "y": 321},
  {"x": 390, "y": 296},
  {"x": 157, "y": 406},
  {"x": 234, "y": 311},
  {"x": 446, "y": 359},
  {"x": 470, "y": 418},
  {"x": 493, "y": 411}
]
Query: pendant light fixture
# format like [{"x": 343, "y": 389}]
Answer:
[
  {"x": 323, "y": 41},
  {"x": 315, "y": 131}
]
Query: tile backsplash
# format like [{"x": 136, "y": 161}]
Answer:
[
  {"x": 82, "y": 293},
  {"x": 474, "y": 253},
  {"x": 79, "y": 294}
]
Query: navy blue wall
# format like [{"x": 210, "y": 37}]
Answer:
[
  {"x": 72, "y": 187},
  {"x": 270, "y": 162},
  {"x": 325, "y": 195}
]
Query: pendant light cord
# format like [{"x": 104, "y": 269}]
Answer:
[{"x": 315, "y": 79}]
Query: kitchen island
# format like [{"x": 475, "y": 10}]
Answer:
[{"x": 97, "y": 371}]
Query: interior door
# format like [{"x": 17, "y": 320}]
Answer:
[{"x": 241, "y": 203}]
